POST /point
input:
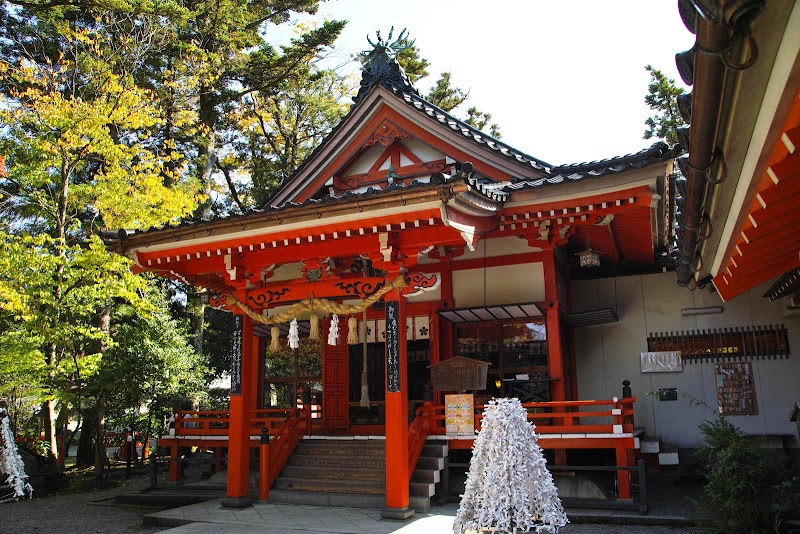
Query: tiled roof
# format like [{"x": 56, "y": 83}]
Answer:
[
  {"x": 657, "y": 153},
  {"x": 390, "y": 75}
]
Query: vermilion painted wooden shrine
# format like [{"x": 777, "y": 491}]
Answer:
[{"x": 482, "y": 238}]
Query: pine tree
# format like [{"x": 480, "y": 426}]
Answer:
[{"x": 509, "y": 488}]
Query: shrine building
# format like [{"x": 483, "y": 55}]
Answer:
[{"x": 433, "y": 260}]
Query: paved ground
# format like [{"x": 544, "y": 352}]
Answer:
[
  {"x": 93, "y": 512},
  {"x": 296, "y": 519}
]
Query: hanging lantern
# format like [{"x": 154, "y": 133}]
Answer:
[
  {"x": 589, "y": 258},
  {"x": 294, "y": 335},
  {"x": 333, "y": 331}
]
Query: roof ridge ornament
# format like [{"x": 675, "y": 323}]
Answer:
[{"x": 380, "y": 66}]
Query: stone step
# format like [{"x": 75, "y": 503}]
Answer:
[
  {"x": 668, "y": 457},
  {"x": 325, "y": 460},
  {"x": 316, "y": 472},
  {"x": 321, "y": 498},
  {"x": 169, "y": 498},
  {"x": 369, "y": 487},
  {"x": 649, "y": 446},
  {"x": 438, "y": 450},
  {"x": 433, "y": 464},
  {"x": 421, "y": 489},
  {"x": 426, "y": 475},
  {"x": 342, "y": 448}
]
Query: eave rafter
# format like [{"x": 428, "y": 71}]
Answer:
[{"x": 768, "y": 243}]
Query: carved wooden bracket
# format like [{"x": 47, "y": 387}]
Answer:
[{"x": 419, "y": 283}]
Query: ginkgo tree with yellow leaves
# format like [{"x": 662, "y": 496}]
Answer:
[{"x": 78, "y": 163}]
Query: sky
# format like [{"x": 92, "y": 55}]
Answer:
[{"x": 564, "y": 80}]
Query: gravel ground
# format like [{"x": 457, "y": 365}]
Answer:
[{"x": 76, "y": 513}]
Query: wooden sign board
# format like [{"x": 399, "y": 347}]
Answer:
[
  {"x": 236, "y": 356},
  {"x": 459, "y": 414}
]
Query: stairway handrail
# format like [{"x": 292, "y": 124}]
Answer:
[
  {"x": 418, "y": 432},
  {"x": 285, "y": 439}
]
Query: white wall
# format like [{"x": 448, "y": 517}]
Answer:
[{"x": 609, "y": 354}]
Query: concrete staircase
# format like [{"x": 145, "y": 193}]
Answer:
[
  {"x": 427, "y": 476},
  {"x": 352, "y": 472}
]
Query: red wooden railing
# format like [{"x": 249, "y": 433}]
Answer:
[
  {"x": 418, "y": 432},
  {"x": 286, "y": 427},
  {"x": 562, "y": 417},
  {"x": 286, "y": 438}
]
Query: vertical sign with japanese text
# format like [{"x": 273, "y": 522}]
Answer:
[
  {"x": 393, "y": 345},
  {"x": 236, "y": 356}
]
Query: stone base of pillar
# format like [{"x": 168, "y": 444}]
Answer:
[
  {"x": 399, "y": 514},
  {"x": 236, "y": 502}
]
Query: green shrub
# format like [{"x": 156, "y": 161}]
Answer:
[{"x": 748, "y": 489}]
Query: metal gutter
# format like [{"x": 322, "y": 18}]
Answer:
[{"x": 721, "y": 28}]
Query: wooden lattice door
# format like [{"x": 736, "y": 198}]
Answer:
[{"x": 335, "y": 401}]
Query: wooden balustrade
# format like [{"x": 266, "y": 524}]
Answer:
[{"x": 562, "y": 417}]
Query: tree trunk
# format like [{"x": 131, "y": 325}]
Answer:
[
  {"x": 49, "y": 407},
  {"x": 86, "y": 443},
  {"x": 197, "y": 318},
  {"x": 100, "y": 455}
]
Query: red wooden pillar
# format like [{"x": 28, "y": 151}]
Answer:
[
  {"x": 555, "y": 358},
  {"x": 242, "y": 385},
  {"x": 397, "y": 475}
]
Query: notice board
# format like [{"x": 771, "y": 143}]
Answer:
[
  {"x": 736, "y": 393},
  {"x": 459, "y": 414}
]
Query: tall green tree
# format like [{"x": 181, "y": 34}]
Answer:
[
  {"x": 76, "y": 141},
  {"x": 662, "y": 98},
  {"x": 275, "y": 131}
]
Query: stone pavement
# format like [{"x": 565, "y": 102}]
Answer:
[{"x": 670, "y": 507}]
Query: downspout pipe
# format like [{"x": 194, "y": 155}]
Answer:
[
  {"x": 721, "y": 28},
  {"x": 709, "y": 75}
]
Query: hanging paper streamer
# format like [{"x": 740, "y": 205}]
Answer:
[
  {"x": 314, "y": 325},
  {"x": 364, "y": 403},
  {"x": 294, "y": 335},
  {"x": 333, "y": 331},
  {"x": 352, "y": 331},
  {"x": 274, "y": 344}
]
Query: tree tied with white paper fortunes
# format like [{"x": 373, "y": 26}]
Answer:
[
  {"x": 508, "y": 488},
  {"x": 12, "y": 469}
]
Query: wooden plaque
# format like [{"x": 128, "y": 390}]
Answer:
[
  {"x": 393, "y": 346},
  {"x": 236, "y": 356}
]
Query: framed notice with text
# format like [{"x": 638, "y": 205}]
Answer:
[
  {"x": 736, "y": 393},
  {"x": 459, "y": 414}
]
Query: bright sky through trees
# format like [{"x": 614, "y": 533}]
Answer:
[{"x": 564, "y": 80}]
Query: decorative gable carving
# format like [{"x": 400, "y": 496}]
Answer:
[{"x": 386, "y": 133}]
